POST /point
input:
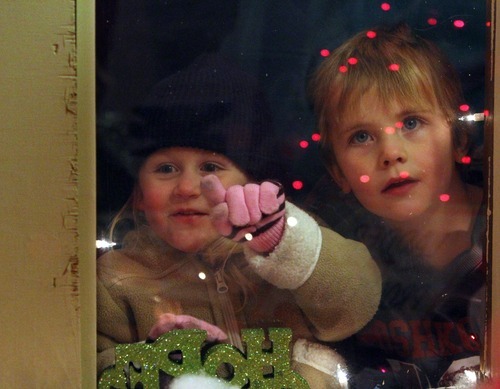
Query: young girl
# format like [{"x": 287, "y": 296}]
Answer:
[
  {"x": 392, "y": 135},
  {"x": 199, "y": 156}
]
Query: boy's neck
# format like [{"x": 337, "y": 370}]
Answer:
[{"x": 445, "y": 231}]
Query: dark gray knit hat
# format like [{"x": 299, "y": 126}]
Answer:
[{"x": 211, "y": 105}]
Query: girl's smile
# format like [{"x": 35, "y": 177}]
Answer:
[{"x": 171, "y": 199}]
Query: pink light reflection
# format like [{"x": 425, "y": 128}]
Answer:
[
  {"x": 324, "y": 52},
  {"x": 444, "y": 197},
  {"x": 364, "y": 178}
]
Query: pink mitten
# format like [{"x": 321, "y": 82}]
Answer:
[
  {"x": 252, "y": 209},
  {"x": 168, "y": 322}
]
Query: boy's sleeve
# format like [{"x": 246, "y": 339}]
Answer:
[{"x": 335, "y": 280}]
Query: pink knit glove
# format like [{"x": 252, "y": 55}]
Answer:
[
  {"x": 253, "y": 209},
  {"x": 168, "y": 322}
]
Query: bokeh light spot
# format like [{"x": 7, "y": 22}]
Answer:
[
  {"x": 342, "y": 69},
  {"x": 486, "y": 112},
  {"x": 385, "y": 6},
  {"x": 394, "y": 67},
  {"x": 364, "y": 178},
  {"x": 459, "y": 23},
  {"x": 324, "y": 52},
  {"x": 304, "y": 144},
  {"x": 352, "y": 61},
  {"x": 432, "y": 21},
  {"x": 404, "y": 174},
  {"x": 316, "y": 137},
  {"x": 297, "y": 185},
  {"x": 444, "y": 197},
  {"x": 291, "y": 221},
  {"x": 398, "y": 124},
  {"x": 371, "y": 34},
  {"x": 202, "y": 275},
  {"x": 466, "y": 160},
  {"x": 464, "y": 108},
  {"x": 248, "y": 236},
  {"x": 390, "y": 130}
]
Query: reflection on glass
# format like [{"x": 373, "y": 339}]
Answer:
[
  {"x": 392, "y": 136},
  {"x": 428, "y": 330}
]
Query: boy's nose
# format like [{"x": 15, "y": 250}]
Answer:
[
  {"x": 188, "y": 185},
  {"x": 393, "y": 151}
]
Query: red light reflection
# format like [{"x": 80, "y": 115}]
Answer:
[{"x": 466, "y": 160}]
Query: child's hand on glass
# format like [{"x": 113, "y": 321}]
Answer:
[
  {"x": 252, "y": 213},
  {"x": 168, "y": 321}
]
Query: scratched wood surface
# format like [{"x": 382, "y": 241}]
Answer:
[{"x": 39, "y": 283}]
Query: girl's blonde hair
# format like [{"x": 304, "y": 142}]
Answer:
[{"x": 401, "y": 66}]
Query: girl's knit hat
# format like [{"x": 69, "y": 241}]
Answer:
[{"x": 211, "y": 105}]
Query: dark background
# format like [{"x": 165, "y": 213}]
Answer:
[{"x": 139, "y": 42}]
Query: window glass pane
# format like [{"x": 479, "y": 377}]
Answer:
[{"x": 401, "y": 170}]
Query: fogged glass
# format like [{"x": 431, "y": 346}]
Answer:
[{"x": 429, "y": 326}]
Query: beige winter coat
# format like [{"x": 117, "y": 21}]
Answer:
[{"x": 317, "y": 283}]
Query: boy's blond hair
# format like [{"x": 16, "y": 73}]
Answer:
[{"x": 401, "y": 66}]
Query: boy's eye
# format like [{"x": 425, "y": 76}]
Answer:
[
  {"x": 411, "y": 123},
  {"x": 166, "y": 168},
  {"x": 360, "y": 137},
  {"x": 211, "y": 167}
]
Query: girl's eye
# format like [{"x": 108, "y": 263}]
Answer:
[
  {"x": 211, "y": 167},
  {"x": 411, "y": 123},
  {"x": 360, "y": 137},
  {"x": 166, "y": 169}
]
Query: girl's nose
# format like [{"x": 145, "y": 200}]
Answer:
[
  {"x": 188, "y": 185},
  {"x": 393, "y": 150}
]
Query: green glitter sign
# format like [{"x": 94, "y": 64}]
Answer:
[{"x": 141, "y": 363}]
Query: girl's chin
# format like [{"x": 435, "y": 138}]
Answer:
[{"x": 189, "y": 245}]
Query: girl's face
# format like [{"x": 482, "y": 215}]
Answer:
[
  {"x": 399, "y": 161},
  {"x": 171, "y": 199}
]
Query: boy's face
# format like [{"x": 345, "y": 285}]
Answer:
[
  {"x": 397, "y": 160},
  {"x": 171, "y": 198}
]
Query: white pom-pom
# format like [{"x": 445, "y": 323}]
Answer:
[{"x": 189, "y": 381}]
